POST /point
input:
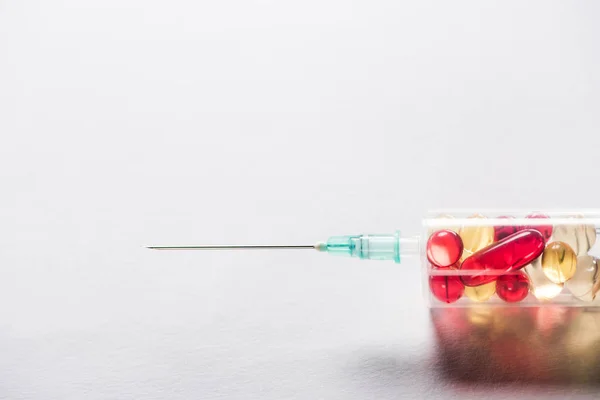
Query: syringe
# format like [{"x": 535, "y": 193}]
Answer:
[
  {"x": 371, "y": 247},
  {"x": 497, "y": 258}
]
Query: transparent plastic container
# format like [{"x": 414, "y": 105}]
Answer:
[{"x": 507, "y": 257}]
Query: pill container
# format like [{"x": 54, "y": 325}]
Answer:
[{"x": 525, "y": 258}]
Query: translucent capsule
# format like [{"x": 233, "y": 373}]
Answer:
[
  {"x": 446, "y": 288},
  {"x": 481, "y": 293},
  {"x": 541, "y": 287},
  {"x": 583, "y": 284},
  {"x": 581, "y": 238},
  {"x": 559, "y": 262},
  {"x": 545, "y": 230},
  {"x": 502, "y": 231},
  {"x": 476, "y": 237},
  {"x": 513, "y": 287},
  {"x": 509, "y": 254},
  {"x": 444, "y": 248}
]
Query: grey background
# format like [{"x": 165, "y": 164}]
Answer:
[{"x": 135, "y": 122}]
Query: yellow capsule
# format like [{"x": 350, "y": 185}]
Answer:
[
  {"x": 581, "y": 238},
  {"x": 476, "y": 237},
  {"x": 482, "y": 292},
  {"x": 540, "y": 285},
  {"x": 465, "y": 254},
  {"x": 582, "y": 284},
  {"x": 559, "y": 262}
]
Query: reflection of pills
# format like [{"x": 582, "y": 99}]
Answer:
[{"x": 559, "y": 262}]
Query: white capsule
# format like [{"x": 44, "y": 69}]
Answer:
[
  {"x": 582, "y": 284},
  {"x": 581, "y": 238}
]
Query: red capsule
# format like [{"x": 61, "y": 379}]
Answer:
[
  {"x": 545, "y": 230},
  {"x": 512, "y": 288},
  {"x": 446, "y": 288},
  {"x": 502, "y": 231},
  {"x": 444, "y": 248},
  {"x": 510, "y": 254}
]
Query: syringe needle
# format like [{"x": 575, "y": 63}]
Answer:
[{"x": 239, "y": 247}]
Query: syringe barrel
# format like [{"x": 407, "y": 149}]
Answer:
[{"x": 507, "y": 257}]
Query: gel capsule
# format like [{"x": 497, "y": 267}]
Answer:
[
  {"x": 559, "y": 262},
  {"x": 541, "y": 287},
  {"x": 444, "y": 248},
  {"x": 476, "y": 237},
  {"x": 512, "y": 288},
  {"x": 481, "y": 293},
  {"x": 509, "y": 254},
  {"x": 446, "y": 288},
  {"x": 545, "y": 230},
  {"x": 581, "y": 238},
  {"x": 583, "y": 284},
  {"x": 502, "y": 231}
]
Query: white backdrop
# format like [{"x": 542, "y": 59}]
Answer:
[{"x": 134, "y": 122}]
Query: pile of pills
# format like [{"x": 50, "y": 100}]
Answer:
[{"x": 510, "y": 260}]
